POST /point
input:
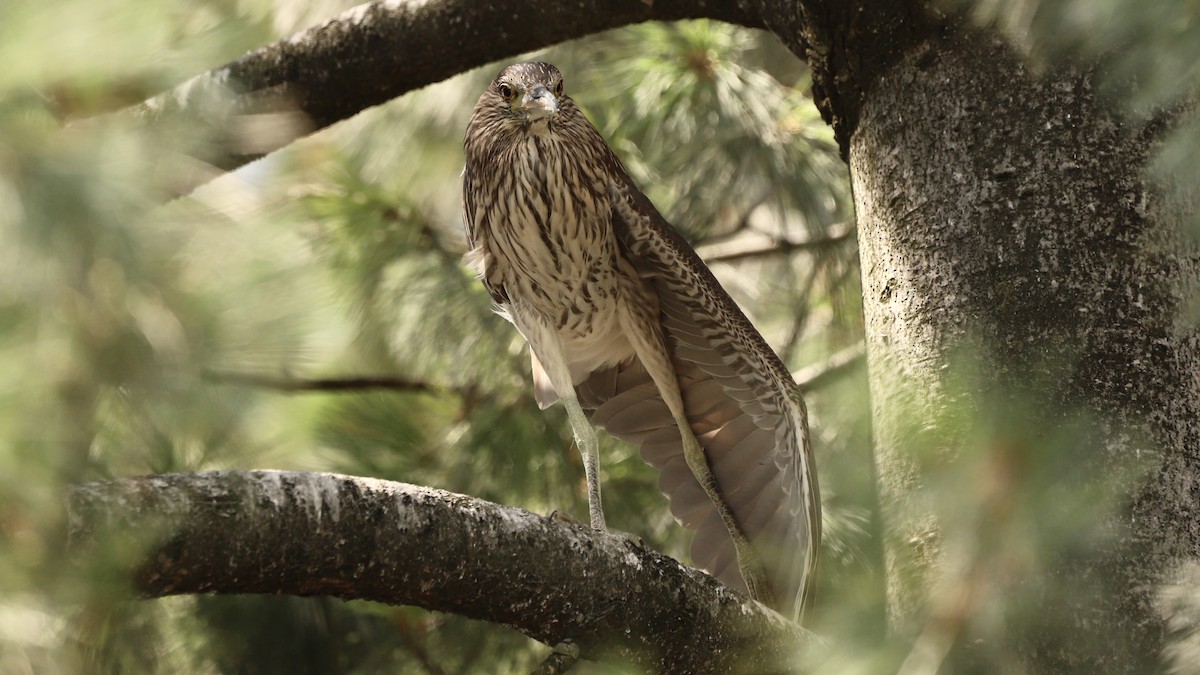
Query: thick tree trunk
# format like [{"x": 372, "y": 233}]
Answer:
[{"x": 1022, "y": 288}]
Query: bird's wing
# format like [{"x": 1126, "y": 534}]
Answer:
[
  {"x": 475, "y": 217},
  {"x": 470, "y": 215},
  {"x": 742, "y": 403}
]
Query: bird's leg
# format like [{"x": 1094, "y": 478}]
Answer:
[
  {"x": 646, "y": 336},
  {"x": 545, "y": 343},
  {"x": 585, "y": 439}
]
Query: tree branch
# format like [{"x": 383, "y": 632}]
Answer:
[
  {"x": 819, "y": 374},
  {"x": 359, "y": 538},
  {"x": 734, "y": 251},
  {"x": 291, "y": 384},
  {"x": 376, "y": 52}
]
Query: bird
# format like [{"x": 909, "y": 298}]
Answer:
[{"x": 626, "y": 323}]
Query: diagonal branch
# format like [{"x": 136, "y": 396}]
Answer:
[
  {"x": 324, "y": 534},
  {"x": 376, "y": 52},
  {"x": 818, "y": 375}
]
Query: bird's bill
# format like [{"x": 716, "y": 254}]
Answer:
[{"x": 539, "y": 103}]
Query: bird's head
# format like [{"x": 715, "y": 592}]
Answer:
[{"x": 526, "y": 93}]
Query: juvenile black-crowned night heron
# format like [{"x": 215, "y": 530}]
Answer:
[{"x": 623, "y": 319}]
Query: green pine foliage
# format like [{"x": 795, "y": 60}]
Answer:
[
  {"x": 138, "y": 337},
  {"x": 142, "y": 338}
]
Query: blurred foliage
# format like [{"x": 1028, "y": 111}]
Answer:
[
  {"x": 1150, "y": 65},
  {"x": 340, "y": 256},
  {"x": 123, "y": 317}
]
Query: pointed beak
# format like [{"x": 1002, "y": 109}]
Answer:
[{"x": 539, "y": 103}]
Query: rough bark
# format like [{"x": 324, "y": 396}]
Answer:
[
  {"x": 357, "y": 538},
  {"x": 372, "y": 54},
  {"x": 1005, "y": 229}
]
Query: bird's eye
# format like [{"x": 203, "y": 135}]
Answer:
[
  {"x": 505, "y": 90},
  {"x": 558, "y": 88}
]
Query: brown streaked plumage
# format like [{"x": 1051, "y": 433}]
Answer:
[{"x": 624, "y": 319}]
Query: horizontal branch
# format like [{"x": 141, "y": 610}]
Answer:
[
  {"x": 734, "y": 251},
  {"x": 376, "y": 52},
  {"x": 359, "y": 538},
  {"x": 330, "y": 384}
]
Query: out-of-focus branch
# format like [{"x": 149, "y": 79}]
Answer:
[
  {"x": 359, "y": 538},
  {"x": 734, "y": 251},
  {"x": 818, "y": 375},
  {"x": 330, "y": 384}
]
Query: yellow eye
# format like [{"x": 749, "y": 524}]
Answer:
[
  {"x": 558, "y": 88},
  {"x": 505, "y": 90}
]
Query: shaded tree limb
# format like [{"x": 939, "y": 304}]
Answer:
[
  {"x": 374, "y": 53},
  {"x": 359, "y": 538}
]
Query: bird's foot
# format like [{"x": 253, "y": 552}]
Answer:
[
  {"x": 567, "y": 647},
  {"x": 563, "y": 517},
  {"x": 630, "y": 538},
  {"x": 561, "y": 658},
  {"x": 755, "y": 576}
]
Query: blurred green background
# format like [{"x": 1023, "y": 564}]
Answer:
[{"x": 129, "y": 324}]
